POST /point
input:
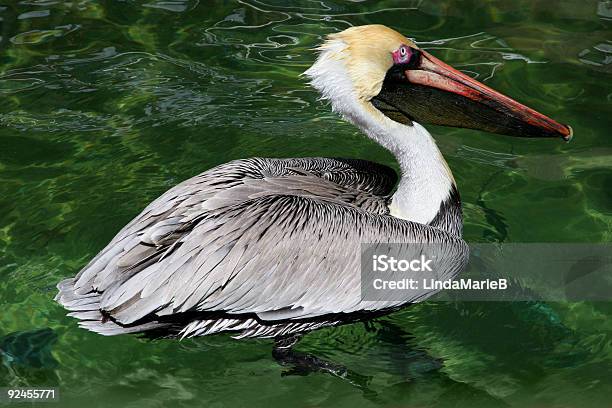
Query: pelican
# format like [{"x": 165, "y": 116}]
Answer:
[{"x": 269, "y": 247}]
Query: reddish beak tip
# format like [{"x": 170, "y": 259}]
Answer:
[{"x": 570, "y": 135}]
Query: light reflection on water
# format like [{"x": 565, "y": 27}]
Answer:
[{"x": 106, "y": 105}]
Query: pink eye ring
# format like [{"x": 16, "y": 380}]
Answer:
[{"x": 402, "y": 55}]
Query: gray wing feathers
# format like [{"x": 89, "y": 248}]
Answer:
[
  {"x": 275, "y": 238},
  {"x": 170, "y": 216},
  {"x": 263, "y": 256}
]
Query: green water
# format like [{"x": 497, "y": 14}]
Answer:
[{"x": 105, "y": 105}]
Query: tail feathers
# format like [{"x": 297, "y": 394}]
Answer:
[{"x": 86, "y": 308}]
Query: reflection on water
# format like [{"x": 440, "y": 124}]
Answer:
[
  {"x": 107, "y": 104},
  {"x": 28, "y": 349}
]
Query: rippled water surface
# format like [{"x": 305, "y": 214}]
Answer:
[{"x": 105, "y": 105}]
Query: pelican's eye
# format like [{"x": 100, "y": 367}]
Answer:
[{"x": 406, "y": 56}]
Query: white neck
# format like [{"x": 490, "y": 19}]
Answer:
[{"x": 426, "y": 181}]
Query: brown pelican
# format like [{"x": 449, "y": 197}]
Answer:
[{"x": 266, "y": 247}]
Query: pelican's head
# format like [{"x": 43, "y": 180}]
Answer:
[{"x": 374, "y": 70}]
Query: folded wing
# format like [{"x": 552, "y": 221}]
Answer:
[{"x": 255, "y": 243}]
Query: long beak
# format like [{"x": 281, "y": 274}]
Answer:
[{"x": 434, "y": 92}]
